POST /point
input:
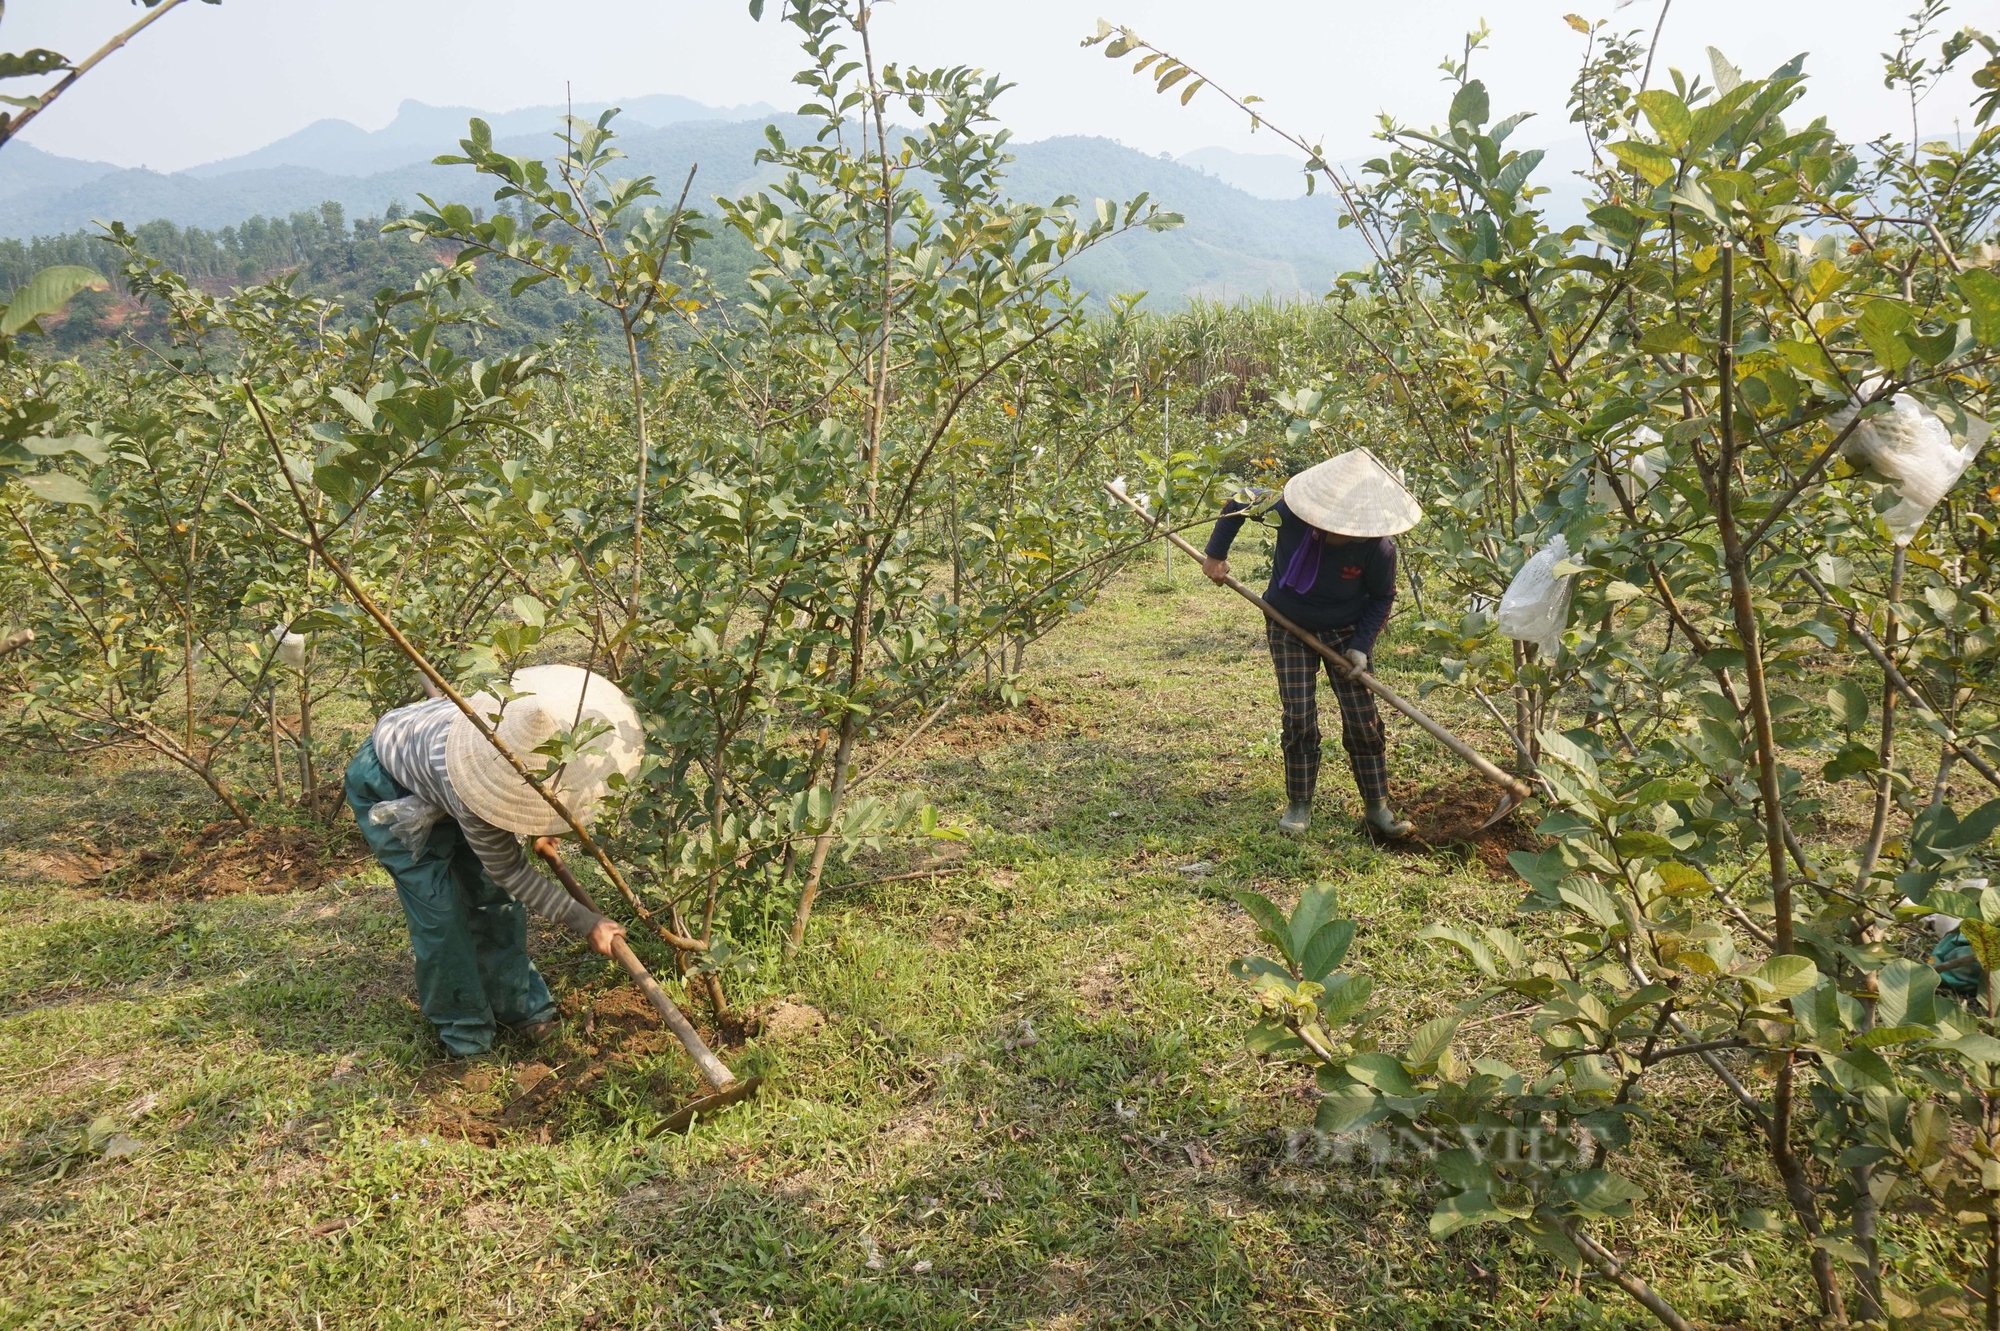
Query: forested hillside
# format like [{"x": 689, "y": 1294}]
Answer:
[
  {"x": 328, "y": 255},
  {"x": 1234, "y": 244}
]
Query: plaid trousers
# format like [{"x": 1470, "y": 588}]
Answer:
[{"x": 1361, "y": 732}]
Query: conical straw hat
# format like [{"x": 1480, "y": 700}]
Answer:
[
  {"x": 550, "y": 699},
  {"x": 1352, "y": 495}
]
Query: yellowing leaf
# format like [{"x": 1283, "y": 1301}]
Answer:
[
  {"x": 1984, "y": 939},
  {"x": 1981, "y": 290},
  {"x": 1649, "y": 160},
  {"x": 1681, "y": 880},
  {"x": 1808, "y": 359},
  {"x": 1669, "y": 339},
  {"x": 1783, "y": 977},
  {"x": 1667, "y": 114}
]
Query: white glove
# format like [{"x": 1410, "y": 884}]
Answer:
[{"x": 1359, "y": 660}]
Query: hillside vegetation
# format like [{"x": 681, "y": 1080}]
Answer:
[
  {"x": 1234, "y": 245},
  {"x": 953, "y": 820}
]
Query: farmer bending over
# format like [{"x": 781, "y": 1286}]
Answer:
[
  {"x": 441, "y": 809},
  {"x": 1334, "y": 575}
]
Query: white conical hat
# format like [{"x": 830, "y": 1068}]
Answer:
[
  {"x": 1352, "y": 495},
  {"x": 550, "y": 699}
]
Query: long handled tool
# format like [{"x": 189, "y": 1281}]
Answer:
[
  {"x": 1513, "y": 791},
  {"x": 726, "y": 1089}
]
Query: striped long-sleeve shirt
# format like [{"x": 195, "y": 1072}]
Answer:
[{"x": 409, "y": 743}]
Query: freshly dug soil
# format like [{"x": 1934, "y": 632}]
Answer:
[
  {"x": 1448, "y": 816},
  {"x": 981, "y": 728},
  {"x": 223, "y": 859},
  {"x": 605, "y": 1033}
]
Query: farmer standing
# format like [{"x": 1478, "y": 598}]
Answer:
[
  {"x": 443, "y": 810},
  {"x": 1334, "y": 575}
]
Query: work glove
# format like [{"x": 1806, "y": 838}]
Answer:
[{"x": 1357, "y": 659}]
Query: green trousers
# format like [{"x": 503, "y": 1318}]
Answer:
[{"x": 470, "y": 937}]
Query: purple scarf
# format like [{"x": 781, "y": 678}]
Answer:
[{"x": 1303, "y": 571}]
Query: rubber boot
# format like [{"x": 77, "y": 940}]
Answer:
[
  {"x": 1382, "y": 820},
  {"x": 1297, "y": 817}
]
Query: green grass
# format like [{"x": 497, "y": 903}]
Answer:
[{"x": 918, "y": 1160}]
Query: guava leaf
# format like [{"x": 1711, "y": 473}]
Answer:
[
  {"x": 1431, "y": 1040},
  {"x": 1783, "y": 977},
  {"x": 59, "y": 487},
  {"x": 45, "y": 293},
  {"x": 1905, "y": 990}
]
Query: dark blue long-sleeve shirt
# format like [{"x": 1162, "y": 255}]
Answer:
[{"x": 1355, "y": 588}]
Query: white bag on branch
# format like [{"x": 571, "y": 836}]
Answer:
[
  {"x": 1641, "y": 462},
  {"x": 291, "y": 647},
  {"x": 1535, "y": 606},
  {"x": 1912, "y": 449}
]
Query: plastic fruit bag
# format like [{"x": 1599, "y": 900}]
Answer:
[
  {"x": 1911, "y": 448},
  {"x": 1535, "y": 606},
  {"x": 290, "y": 647},
  {"x": 1641, "y": 462}
]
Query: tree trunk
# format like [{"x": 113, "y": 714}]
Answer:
[
  {"x": 823, "y": 843},
  {"x": 308, "y": 787},
  {"x": 1719, "y": 480},
  {"x": 1868, "y": 1274},
  {"x": 1885, "y": 785},
  {"x": 1993, "y": 1273},
  {"x": 187, "y": 680},
  {"x": 277, "y": 753},
  {"x": 163, "y": 742},
  {"x": 1992, "y": 1125},
  {"x": 1525, "y": 737},
  {"x": 645, "y": 449}
]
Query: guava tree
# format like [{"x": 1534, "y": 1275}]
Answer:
[
  {"x": 821, "y": 524},
  {"x": 1751, "y": 308},
  {"x": 174, "y": 607}
]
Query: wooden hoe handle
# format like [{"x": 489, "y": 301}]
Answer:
[
  {"x": 1473, "y": 758},
  {"x": 712, "y": 1068}
]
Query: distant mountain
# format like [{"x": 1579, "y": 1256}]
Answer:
[
  {"x": 724, "y": 148},
  {"x": 27, "y": 170},
  {"x": 1233, "y": 245},
  {"x": 1266, "y": 175},
  {"x": 1279, "y": 176},
  {"x": 420, "y": 132}
]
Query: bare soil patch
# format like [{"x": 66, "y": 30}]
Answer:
[
  {"x": 978, "y": 731},
  {"x": 1103, "y": 989},
  {"x": 1448, "y": 817},
  {"x": 221, "y": 860},
  {"x": 70, "y": 867},
  {"x": 783, "y": 1022},
  {"x": 605, "y": 1033}
]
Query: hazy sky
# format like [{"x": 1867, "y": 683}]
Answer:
[{"x": 210, "y": 82}]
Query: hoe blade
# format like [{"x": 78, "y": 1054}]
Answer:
[
  {"x": 709, "y": 1105},
  {"x": 1508, "y": 803}
]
